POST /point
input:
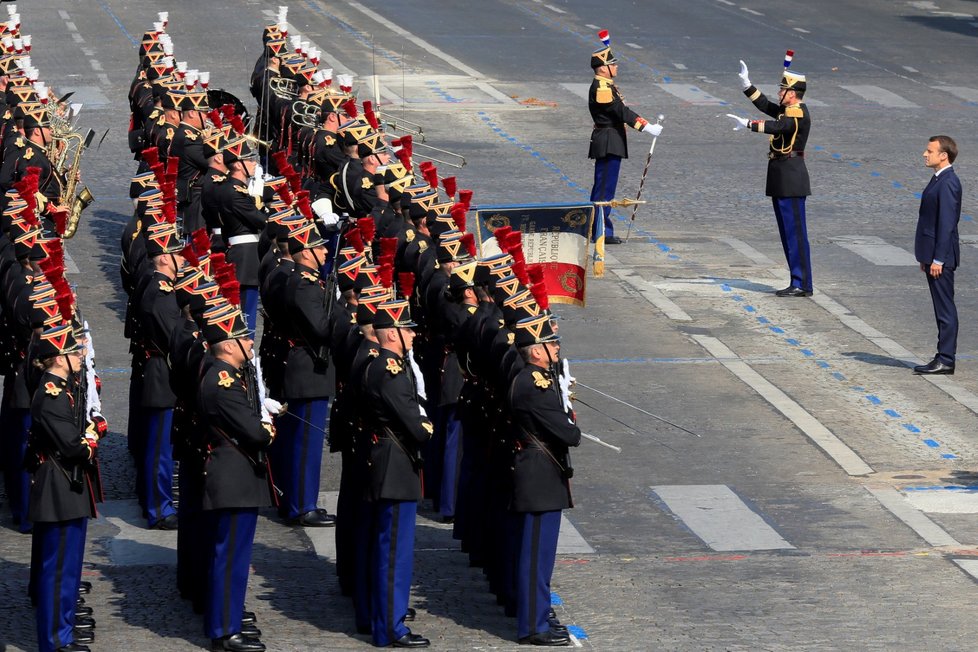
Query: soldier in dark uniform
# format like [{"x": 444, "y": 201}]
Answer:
[
  {"x": 188, "y": 146},
  {"x": 237, "y": 482},
  {"x": 242, "y": 221},
  {"x": 787, "y": 184},
  {"x": 30, "y": 151},
  {"x": 159, "y": 318},
  {"x": 216, "y": 173},
  {"x": 544, "y": 430},
  {"x": 398, "y": 427},
  {"x": 62, "y": 495},
  {"x": 608, "y": 140},
  {"x": 306, "y": 387}
]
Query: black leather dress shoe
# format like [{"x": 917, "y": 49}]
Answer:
[
  {"x": 613, "y": 239},
  {"x": 84, "y": 622},
  {"x": 75, "y": 647},
  {"x": 934, "y": 368},
  {"x": 168, "y": 523},
  {"x": 238, "y": 643},
  {"x": 251, "y": 630},
  {"x": 792, "y": 291},
  {"x": 412, "y": 640},
  {"x": 548, "y": 637},
  {"x": 316, "y": 518},
  {"x": 82, "y": 610},
  {"x": 248, "y": 618},
  {"x": 84, "y": 587},
  {"x": 410, "y": 615},
  {"x": 83, "y": 636}
]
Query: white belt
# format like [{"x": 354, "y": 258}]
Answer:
[
  {"x": 242, "y": 239},
  {"x": 216, "y": 231}
]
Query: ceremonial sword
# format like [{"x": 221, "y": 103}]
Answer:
[
  {"x": 641, "y": 185},
  {"x": 634, "y": 407}
]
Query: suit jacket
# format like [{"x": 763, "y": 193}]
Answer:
[{"x": 937, "y": 221}]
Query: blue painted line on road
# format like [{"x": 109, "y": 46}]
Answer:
[
  {"x": 359, "y": 37},
  {"x": 891, "y": 413},
  {"x": 875, "y": 174},
  {"x": 555, "y": 600},
  {"x": 737, "y": 297},
  {"x": 808, "y": 353},
  {"x": 118, "y": 22},
  {"x": 932, "y": 443},
  {"x": 725, "y": 288},
  {"x": 949, "y": 456},
  {"x": 875, "y": 400},
  {"x": 776, "y": 329},
  {"x": 114, "y": 370},
  {"x": 938, "y": 487},
  {"x": 823, "y": 364},
  {"x": 857, "y": 388},
  {"x": 763, "y": 320},
  {"x": 912, "y": 428},
  {"x": 838, "y": 376},
  {"x": 790, "y": 340},
  {"x": 577, "y": 632},
  {"x": 750, "y": 308}
]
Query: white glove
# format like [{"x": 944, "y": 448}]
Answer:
[
  {"x": 655, "y": 130},
  {"x": 256, "y": 186},
  {"x": 744, "y": 78},
  {"x": 273, "y": 406},
  {"x": 739, "y": 123},
  {"x": 323, "y": 208}
]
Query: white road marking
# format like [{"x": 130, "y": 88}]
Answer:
[
  {"x": 969, "y": 566},
  {"x": 679, "y": 66},
  {"x": 135, "y": 545},
  {"x": 719, "y": 517},
  {"x": 821, "y": 436},
  {"x": 751, "y": 11},
  {"x": 96, "y": 66},
  {"x": 64, "y": 14},
  {"x": 570, "y": 541},
  {"x": 577, "y": 88},
  {"x": 802, "y": 30},
  {"x": 104, "y": 79},
  {"x": 943, "y": 501},
  {"x": 70, "y": 266},
  {"x": 555, "y": 9},
  {"x": 651, "y": 293},
  {"x": 71, "y": 26},
  {"x": 590, "y": 26},
  {"x": 634, "y": 46},
  {"x": 692, "y": 94},
  {"x": 881, "y": 96},
  {"x": 728, "y": 3},
  {"x": 910, "y": 69},
  {"x": 925, "y": 528},
  {"x": 876, "y": 250},
  {"x": 851, "y": 48},
  {"x": 923, "y": 5},
  {"x": 77, "y": 38},
  {"x": 965, "y": 93},
  {"x": 428, "y": 47}
]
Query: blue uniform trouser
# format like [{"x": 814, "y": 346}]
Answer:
[
  {"x": 450, "y": 467},
  {"x": 605, "y": 182},
  {"x": 249, "y": 306},
  {"x": 790, "y": 212},
  {"x": 231, "y": 533},
  {"x": 158, "y": 465},
  {"x": 363, "y": 538},
  {"x": 942, "y": 296},
  {"x": 59, "y": 551},
  {"x": 191, "y": 553},
  {"x": 16, "y": 423},
  {"x": 538, "y": 551},
  {"x": 393, "y": 563},
  {"x": 301, "y": 451}
]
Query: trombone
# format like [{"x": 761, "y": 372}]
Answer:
[{"x": 450, "y": 159}]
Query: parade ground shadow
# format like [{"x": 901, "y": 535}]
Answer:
[{"x": 874, "y": 358}]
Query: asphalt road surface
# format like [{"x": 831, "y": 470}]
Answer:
[{"x": 827, "y": 498}]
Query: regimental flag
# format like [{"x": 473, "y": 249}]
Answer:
[{"x": 554, "y": 235}]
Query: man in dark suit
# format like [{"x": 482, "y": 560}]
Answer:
[{"x": 937, "y": 250}]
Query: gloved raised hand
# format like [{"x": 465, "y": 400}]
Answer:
[
  {"x": 739, "y": 123},
  {"x": 744, "y": 76},
  {"x": 273, "y": 406},
  {"x": 653, "y": 129}
]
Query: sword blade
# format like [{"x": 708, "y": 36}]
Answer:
[{"x": 635, "y": 407}]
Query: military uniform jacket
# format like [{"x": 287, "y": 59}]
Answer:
[
  {"x": 787, "y": 175},
  {"x": 159, "y": 317},
  {"x": 235, "y": 475},
  {"x": 307, "y": 326},
  {"x": 359, "y": 194},
  {"x": 56, "y": 436},
  {"x": 610, "y": 115},
  {"x": 398, "y": 429},
  {"x": 275, "y": 347},
  {"x": 23, "y": 154},
  {"x": 545, "y": 431},
  {"x": 188, "y": 145},
  {"x": 210, "y": 201},
  {"x": 241, "y": 215}
]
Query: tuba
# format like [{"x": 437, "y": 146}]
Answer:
[{"x": 70, "y": 167}]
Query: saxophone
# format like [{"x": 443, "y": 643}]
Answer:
[{"x": 70, "y": 167}]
